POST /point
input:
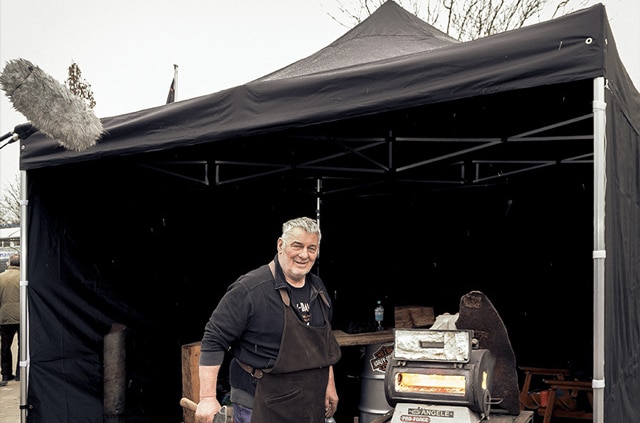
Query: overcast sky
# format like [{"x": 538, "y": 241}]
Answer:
[{"x": 126, "y": 49}]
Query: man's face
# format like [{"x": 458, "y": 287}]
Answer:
[{"x": 297, "y": 255}]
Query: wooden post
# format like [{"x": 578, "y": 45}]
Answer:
[
  {"x": 114, "y": 374},
  {"x": 190, "y": 378}
]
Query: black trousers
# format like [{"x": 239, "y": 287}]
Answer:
[{"x": 7, "y": 332}]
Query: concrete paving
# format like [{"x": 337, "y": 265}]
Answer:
[{"x": 10, "y": 396}]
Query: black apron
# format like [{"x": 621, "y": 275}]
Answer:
[{"x": 294, "y": 390}]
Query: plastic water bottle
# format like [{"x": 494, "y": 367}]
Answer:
[{"x": 379, "y": 313}]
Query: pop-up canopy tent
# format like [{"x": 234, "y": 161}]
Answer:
[{"x": 507, "y": 165}]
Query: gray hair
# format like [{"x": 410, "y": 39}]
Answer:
[{"x": 309, "y": 225}]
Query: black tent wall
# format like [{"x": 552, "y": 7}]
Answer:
[
  {"x": 139, "y": 231},
  {"x": 622, "y": 271}
]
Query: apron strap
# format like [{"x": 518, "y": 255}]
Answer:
[
  {"x": 285, "y": 296},
  {"x": 324, "y": 298},
  {"x": 283, "y": 292}
]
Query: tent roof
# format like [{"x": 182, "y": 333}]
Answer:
[
  {"x": 351, "y": 78},
  {"x": 389, "y": 32}
]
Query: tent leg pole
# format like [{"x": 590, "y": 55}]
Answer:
[
  {"x": 599, "y": 253},
  {"x": 318, "y": 192},
  {"x": 24, "y": 316}
]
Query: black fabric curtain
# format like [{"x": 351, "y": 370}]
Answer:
[{"x": 622, "y": 268}]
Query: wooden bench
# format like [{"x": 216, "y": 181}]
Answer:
[
  {"x": 567, "y": 405},
  {"x": 531, "y": 400},
  {"x": 562, "y": 400}
]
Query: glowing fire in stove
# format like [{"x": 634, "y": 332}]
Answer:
[{"x": 430, "y": 383}]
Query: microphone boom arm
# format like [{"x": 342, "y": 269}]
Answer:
[{"x": 20, "y": 132}]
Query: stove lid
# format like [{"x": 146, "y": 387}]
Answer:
[{"x": 449, "y": 346}]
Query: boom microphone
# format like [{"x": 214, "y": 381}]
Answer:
[{"x": 50, "y": 106}]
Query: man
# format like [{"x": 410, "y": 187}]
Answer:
[
  {"x": 9, "y": 318},
  {"x": 275, "y": 320}
]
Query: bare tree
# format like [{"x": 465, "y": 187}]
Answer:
[
  {"x": 79, "y": 86},
  {"x": 10, "y": 204},
  {"x": 463, "y": 19}
]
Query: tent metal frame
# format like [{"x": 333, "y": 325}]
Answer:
[
  {"x": 24, "y": 297},
  {"x": 599, "y": 253},
  {"x": 480, "y": 166}
]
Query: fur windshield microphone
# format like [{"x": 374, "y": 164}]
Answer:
[{"x": 50, "y": 106}]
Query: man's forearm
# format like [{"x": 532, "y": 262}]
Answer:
[
  {"x": 331, "y": 397},
  {"x": 208, "y": 381},
  {"x": 208, "y": 405}
]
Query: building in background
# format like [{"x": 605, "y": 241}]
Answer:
[{"x": 9, "y": 244}]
